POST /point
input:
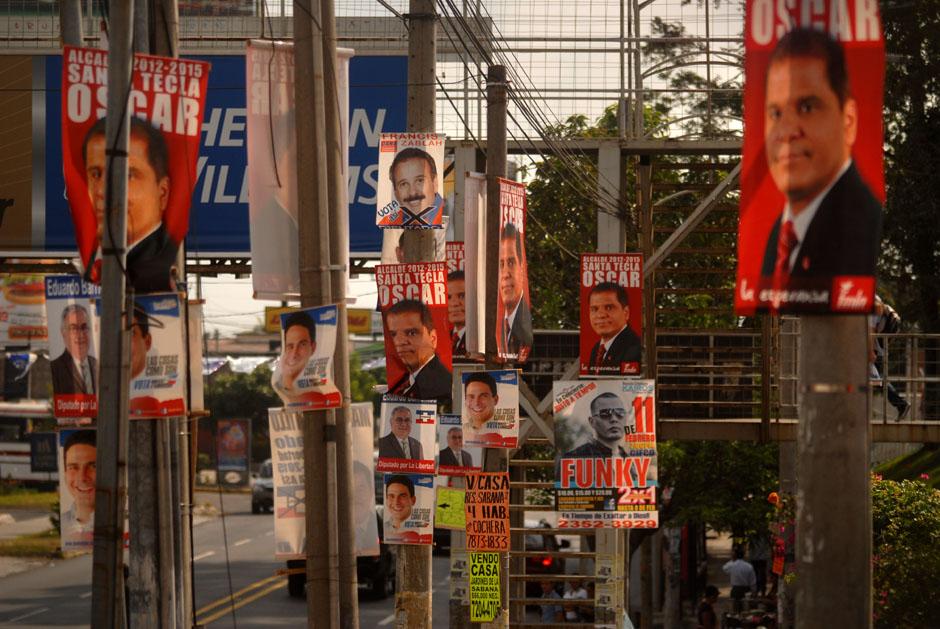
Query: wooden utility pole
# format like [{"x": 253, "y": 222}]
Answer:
[
  {"x": 833, "y": 544},
  {"x": 107, "y": 608},
  {"x": 339, "y": 265},
  {"x": 418, "y": 244},
  {"x": 313, "y": 203},
  {"x": 495, "y": 459},
  {"x": 413, "y": 563}
]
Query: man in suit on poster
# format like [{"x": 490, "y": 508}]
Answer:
[
  {"x": 414, "y": 182},
  {"x": 398, "y": 443},
  {"x": 151, "y": 251},
  {"x": 74, "y": 371},
  {"x": 454, "y": 455},
  {"x": 457, "y": 312},
  {"x": 414, "y": 337},
  {"x": 609, "y": 314},
  {"x": 514, "y": 330},
  {"x": 831, "y": 222}
]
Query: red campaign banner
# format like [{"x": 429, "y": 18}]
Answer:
[
  {"x": 812, "y": 180},
  {"x": 166, "y": 105},
  {"x": 413, "y": 301},
  {"x": 456, "y": 300},
  {"x": 611, "y": 313},
  {"x": 514, "y": 306},
  {"x": 453, "y": 255}
]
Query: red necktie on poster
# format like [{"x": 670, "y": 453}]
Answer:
[
  {"x": 599, "y": 358},
  {"x": 785, "y": 246}
]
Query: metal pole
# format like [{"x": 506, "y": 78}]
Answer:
[
  {"x": 833, "y": 495},
  {"x": 107, "y": 608},
  {"x": 70, "y": 22},
  {"x": 339, "y": 257},
  {"x": 413, "y": 563},
  {"x": 315, "y": 290}
]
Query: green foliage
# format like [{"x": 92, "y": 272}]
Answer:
[
  {"x": 362, "y": 382},
  {"x": 913, "y": 465},
  {"x": 562, "y": 219},
  {"x": 16, "y": 496},
  {"x": 45, "y": 545},
  {"x": 249, "y": 395},
  {"x": 910, "y": 258},
  {"x": 906, "y": 553},
  {"x": 245, "y": 395},
  {"x": 723, "y": 484},
  {"x": 714, "y": 113}
]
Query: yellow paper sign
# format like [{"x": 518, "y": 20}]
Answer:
[
  {"x": 449, "y": 510},
  {"x": 484, "y": 586}
]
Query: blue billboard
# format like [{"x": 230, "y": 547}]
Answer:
[{"x": 219, "y": 213}]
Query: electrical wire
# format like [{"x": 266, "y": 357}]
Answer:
[{"x": 572, "y": 163}]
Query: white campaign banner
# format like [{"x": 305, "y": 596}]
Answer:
[
  {"x": 272, "y": 165},
  {"x": 475, "y": 261},
  {"x": 364, "y": 515},
  {"x": 157, "y": 384},
  {"x": 287, "y": 461}
]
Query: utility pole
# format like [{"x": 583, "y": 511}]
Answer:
[
  {"x": 413, "y": 563},
  {"x": 107, "y": 608},
  {"x": 495, "y": 459},
  {"x": 315, "y": 290},
  {"x": 339, "y": 261},
  {"x": 833, "y": 549},
  {"x": 149, "y": 604},
  {"x": 177, "y": 434},
  {"x": 70, "y": 22}
]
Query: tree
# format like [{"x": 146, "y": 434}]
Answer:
[
  {"x": 241, "y": 396},
  {"x": 723, "y": 484},
  {"x": 906, "y": 553},
  {"x": 911, "y": 247},
  {"x": 562, "y": 221}
]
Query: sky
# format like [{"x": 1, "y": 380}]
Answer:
[{"x": 230, "y": 308}]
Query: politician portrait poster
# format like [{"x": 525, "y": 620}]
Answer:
[
  {"x": 410, "y": 193},
  {"x": 72, "y": 307},
  {"x": 605, "y": 438},
  {"x": 455, "y": 458},
  {"x": 413, "y": 301},
  {"x": 513, "y": 305},
  {"x": 157, "y": 374},
  {"x": 812, "y": 180},
  {"x": 408, "y": 435},
  {"x": 166, "y": 104},
  {"x": 77, "y": 457},
  {"x": 409, "y": 509},
  {"x": 611, "y": 314},
  {"x": 490, "y": 408},
  {"x": 303, "y": 374}
]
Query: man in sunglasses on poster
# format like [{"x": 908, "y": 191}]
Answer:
[{"x": 608, "y": 419}]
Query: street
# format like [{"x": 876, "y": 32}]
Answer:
[{"x": 59, "y": 594}]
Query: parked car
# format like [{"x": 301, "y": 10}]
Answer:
[
  {"x": 377, "y": 573},
  {"x": 262, "y": 489}
]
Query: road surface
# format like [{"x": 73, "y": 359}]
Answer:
[{"x": 239, "y": 546}]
